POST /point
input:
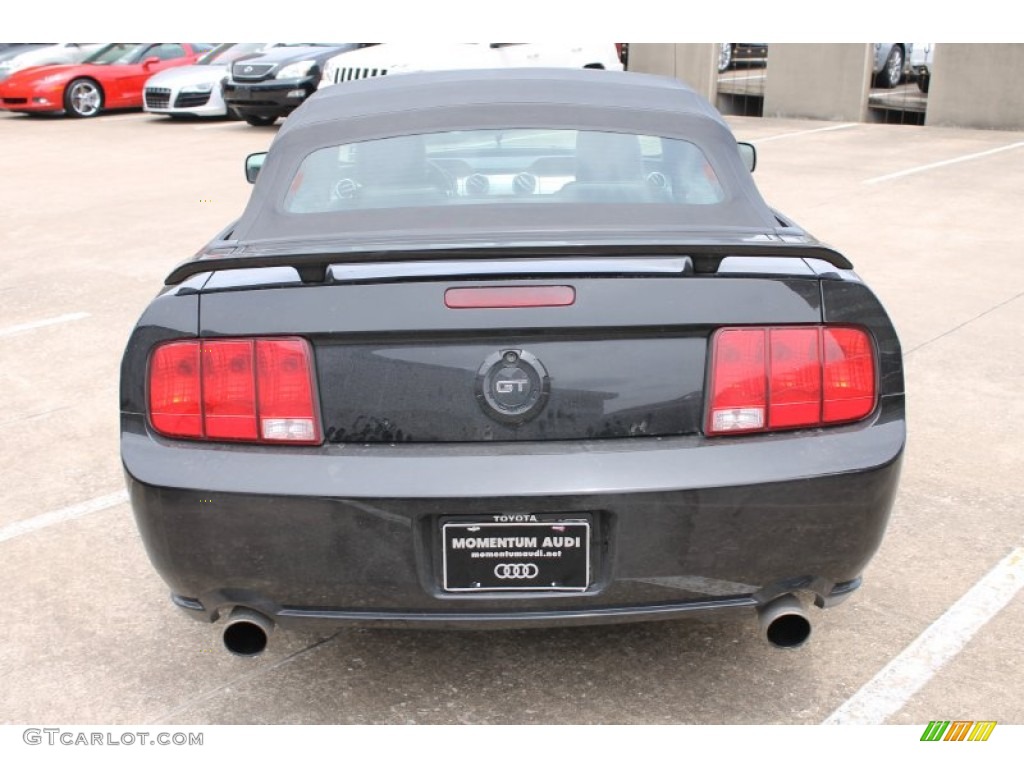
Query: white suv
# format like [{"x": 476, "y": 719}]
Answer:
[{"x": 392, "y": 58}]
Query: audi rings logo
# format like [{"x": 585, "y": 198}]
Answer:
[{"x": 516, "y": 570}]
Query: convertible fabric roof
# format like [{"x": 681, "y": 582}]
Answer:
[
  {"x": 480, "y": 88},
  {"x": 428, "y": 102}
]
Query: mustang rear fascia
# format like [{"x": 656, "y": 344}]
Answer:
[{"x": 350, "y": 531}]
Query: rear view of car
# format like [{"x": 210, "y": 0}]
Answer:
[{"x": 465, "y": 363}]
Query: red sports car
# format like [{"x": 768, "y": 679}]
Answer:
[{"x": 112, "y": 78}]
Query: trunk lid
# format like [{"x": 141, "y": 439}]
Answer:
[{"x": 625, "y": 359}]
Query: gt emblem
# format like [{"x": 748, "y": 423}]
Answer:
[
  {"x": 516, "y": 570},
  {"x": 512, "y": 386},
  {"x": 505, "y": 387}
]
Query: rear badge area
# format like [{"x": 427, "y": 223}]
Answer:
[{"x": 512, "y": 386}]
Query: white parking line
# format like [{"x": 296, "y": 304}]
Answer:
[
  {"x": 47, "y": 519},
  {"x": 13, "y": 330},
  {"x": 888, "y": 691},
  {"x": 234, "y": 125},
  {"x": 943, "y": 163},
  {"x": 806, "y": 133}
]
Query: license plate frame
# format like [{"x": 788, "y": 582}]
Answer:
[{"x": 498, "y": 556}]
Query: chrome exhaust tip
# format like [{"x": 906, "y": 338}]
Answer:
[
  {"x": 246, "y": 632},
  {"x": 784, "y": 622}
]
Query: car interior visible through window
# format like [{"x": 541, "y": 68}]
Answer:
[{"x": 501, "y": 166}]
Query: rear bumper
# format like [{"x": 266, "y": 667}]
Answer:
[
  {"x": 306, "y": 618},
  {"x": 351, "y": 534}
]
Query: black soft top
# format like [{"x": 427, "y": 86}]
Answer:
[
  {"x": 476, "y": 89},
  {"x": 428, "y": 102}
]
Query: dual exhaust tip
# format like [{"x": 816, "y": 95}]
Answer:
[{"x": 783, "y": 621}]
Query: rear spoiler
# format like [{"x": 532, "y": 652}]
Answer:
[{"x": 312, "y": 267}]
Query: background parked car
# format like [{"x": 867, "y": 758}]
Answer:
[
  {"x": 10, "y": 50},
  {"x": 196, "y": 90},
  {"x": 112, "y": 78},
  {"x": 921, "y": 64},
  {"x": 392, "y": 58},
  {"x": 730, "y": 53},
  {"x": 41, "y": 54},
  {"x": 270, "y": 86},
  {"x": 891, "y": 63}
]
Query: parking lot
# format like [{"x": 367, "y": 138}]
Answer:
[{"x": 96, "y": 212}]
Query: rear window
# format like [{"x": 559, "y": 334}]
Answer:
[{"x": 492, "y": 166}]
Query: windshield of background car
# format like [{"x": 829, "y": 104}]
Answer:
[
  {"x": 6, "y": 54},
  {"x": 117, "y": 53},
  {"x": 504, "y": 166},
  {"x": 229, "y": 52}
]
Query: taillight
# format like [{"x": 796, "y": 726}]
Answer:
[
  {"x": 229, "y": 390},
  {"x": 849, "y": 374},
  {"x": 789, "y": 377},
  {"x": 250, "y": 390},
  {"x": 175, "y": 393},
  {"x": 284, "y": 373}
]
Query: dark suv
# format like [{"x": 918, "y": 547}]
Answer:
[{"x": 270, "y": 86}]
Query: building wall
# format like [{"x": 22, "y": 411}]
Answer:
[
  {"x": 696, "y": 64},
  {"x": 977, "y": 85},
  {"x": 818, "y": 81},
  {"x": 972, "y": 86}
]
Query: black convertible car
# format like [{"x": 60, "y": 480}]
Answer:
[{"x": 504, "y": 349}]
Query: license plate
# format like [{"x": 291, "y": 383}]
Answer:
[{"x": 553, "y": 555}]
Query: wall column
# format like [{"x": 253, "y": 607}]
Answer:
[
  {"x": 696, "y": 64},
  {"x": 976, "y": 85},
  {"x": 827, "y": 81}
]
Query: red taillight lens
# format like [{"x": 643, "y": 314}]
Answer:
[
  {"x": 783, "y": 378},
  {"x": 795, "y": 378},
  {"x": 175, "y": 391},
  {"x": 739, "y": 387},
  {"x": 253, "y": 390},
  {"x": 849, "y": 375},
  {"x": 229, "y": 390},
  {"x": 285, "y": 374}
]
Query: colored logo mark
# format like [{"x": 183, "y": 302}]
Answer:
[{"x": 958, "y": 730}]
